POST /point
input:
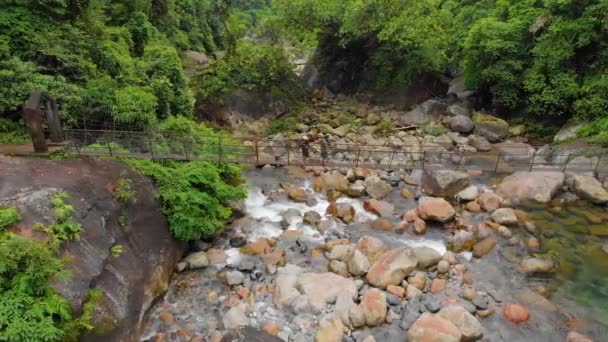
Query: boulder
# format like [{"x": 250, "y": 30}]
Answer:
[
  {"x": 341, "y": 131},
  {"x": 235, "y": 317},
  {"x": 340, "y": 252},
  {"x": 391, "y": 267},
  {"x": 468, "y": 325},
  {"x": 371, "y": 247},
  {"x": 426, "y": 256},
  {"x": 376, "y": 187},
  {"x": 343, "y": 211},
  {"x": 331, "y": 181},
  {"x": 349, "y": 312},
  {"x": 379, "y": 208},
  {"x": 374, "y": 307},
  {"x": 444, "y": 183},
  {"x": 323, "y": 288},
  {"x": 484, "y": 247},
  {"x": 536, "y": 265},
  {"x": 574, "y": 336},
  {"x": 459, "y": 109},
  {"x": 425, "y": 113},
  {"x": 331, "y": 329},
  {"x": 234, "y": 278},
  {"x": 480, "y": 143},
  {"x": 382, "y": 224},
  {"x": 197, "y": 260},
  {"x": 338, "y": 267},
  {"x": 568, "y": 132},
  {"x": 516, "y": 313},
  {"x": 537, "y": 186},
  {"x": 462, "y": 240},
  {"x": 505, "y": 216},
  {"x": 461, "y": 124},
  {"x": 587, "y": 187},
  {"x": 285, "y": 290},
  {"x": 433, "y": 328},
  {"x": 311, "y": 217},
  {"x": 468, "y": 194},
  {"x": 297, "y": 195},
  {"x": 357, "y": 189},
  {"x": 490, "y": 127},
  {"x": 435, "y": 209},
  {"x": 358, "y": 264},
  {"x": 516, "y": 152},
  {"x": 489, "y": 201}
]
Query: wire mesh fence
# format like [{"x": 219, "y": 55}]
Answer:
[{"x": 177, "y": 146}]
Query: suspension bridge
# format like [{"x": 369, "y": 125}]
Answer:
[{"x": 163, "y": 145}]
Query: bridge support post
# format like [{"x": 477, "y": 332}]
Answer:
[
  {"x": 33, "y": 117},
  {"x": 52, "y": 117},
  {"x": 597, "y": 165},
  {"x": 497, "y": 162}
]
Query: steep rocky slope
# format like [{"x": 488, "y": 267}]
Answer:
[{"x": 130, "y": 280}]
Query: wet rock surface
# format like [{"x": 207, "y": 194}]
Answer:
[
  {"x": 354, "y": 282},
  {"x": 131, "y": 282}
]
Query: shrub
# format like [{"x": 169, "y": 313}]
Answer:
[
  {"x": 8, "y": 217},
  {"x": 64, "y": 229},
  {"x": 195, "y": 195},
  {"x": 30, "y": 309}
]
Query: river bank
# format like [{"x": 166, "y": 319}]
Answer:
[{"x": 362, "y": 256}]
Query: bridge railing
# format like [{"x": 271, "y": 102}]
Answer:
[{"x": 171, "y": 145}]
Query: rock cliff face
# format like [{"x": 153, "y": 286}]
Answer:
[{"x": 130, "y": 281}]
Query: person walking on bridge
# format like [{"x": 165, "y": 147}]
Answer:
[
  {"x": 324, "y": 143},
  {"x": 305, "y": 146}
]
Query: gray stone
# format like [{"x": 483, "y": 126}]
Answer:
[
  {"x": 443, "y": 266},
  {"x": 504, "y": 216},
  {"x": 444, "y": 183},
  {"x": 427, "y": 257},
  {"x": 376, "y": 187},
  {"x": 537, "y": 186},
  {"x": 480, "y": 143},
  {"x": 587, "y": 187},
  {"x": 234, "y": 278},
  {"x": 358, "y": 264},
  {"x": 197, "y": 260},
  {"x": 468, "y": 325},
  {"x": 481, "y": 302},
  {"x": 468, "y": 194},
  {"x": 536, "y": 265},
  {"x": 490, "y": 127},
  {"x": 235, "y": 317},
  {"x": 432, "y": 304},
  {"x": 461, "y": 124},
  {"x": 567, "y": 132},
  {"x": 311, "y": 217}
]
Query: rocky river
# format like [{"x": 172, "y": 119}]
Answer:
[{"x": 363, "y": 255}]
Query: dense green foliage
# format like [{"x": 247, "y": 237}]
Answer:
[
  {"x": 12, "y": 132},
  {"x": 112, "y": 60},
  {"x": 253, "y": 66},
  {"x": 195, "y": 195},
  {"x": 30, "y": 309},
  {"x": 8, "y": 217},
  {"x": 546, "y": 57}
]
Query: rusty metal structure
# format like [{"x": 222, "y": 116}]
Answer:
[
  {"x": 161, "y": 145},
  {"x": 37, "y": 104}
]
